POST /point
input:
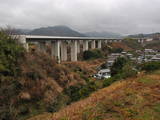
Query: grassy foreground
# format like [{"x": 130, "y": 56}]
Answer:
[{"x": 130, "y": 99}]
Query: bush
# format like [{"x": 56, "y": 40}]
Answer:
[
  {"x": 10, "y": 54},
  {"x": 150, "y": 66},
  {"x": 87, "y": 89},
  {"x": 92, "y": 54},
  {"x": 132, "y": 43},
  {"x": 128, "y": 71},
  {"x": 118, "y": 65},
  {"x": 78, "y": 92},
  {"x": 108, "y": 82},
  {"x": 73, "y": 92},
  {"x": 58, "y": 103},
  {"x": 116, "y": 50},
  {"x": 23, "y": 110}
]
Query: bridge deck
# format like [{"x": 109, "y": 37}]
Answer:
[{"x": 36, "y": 37}]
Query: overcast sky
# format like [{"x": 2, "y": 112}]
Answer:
[{"x": 121, "y": 16}]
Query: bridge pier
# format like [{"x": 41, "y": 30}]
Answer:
[
  {"x": 85, "y": 45},
  {"x": 106, "y": 41},
  {"x": 22, "y": 40},
  {"x": 64, "y": 50},
  {"x": 78, "y": 46},
  {"x": 55, "y": 50},
  {"x": 74, "y": 50},
  {"x": 93, "y": 44},
  {"x": 99, "y": 44}
]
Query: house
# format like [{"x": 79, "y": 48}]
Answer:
[
  {"x": 156, "y": 57},
  {"x": 110, "y": 63},
  {"x": 149, "y": 51}
]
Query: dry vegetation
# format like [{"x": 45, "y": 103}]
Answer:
[
  {"x": 121, "y": 45},
  {"x": 46, "y": 73},
  {"x": 153, "y": 44},
  {"x": 88, "y": 67},
  {"x": 131, "y": 99}
]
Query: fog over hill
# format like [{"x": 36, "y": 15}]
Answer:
[
  {"x": 56, "y": 31},
  {"x": 64, "y": 31}
]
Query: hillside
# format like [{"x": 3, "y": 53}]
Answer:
[
  {"x": 143, "y": 35},
  {"x": 130, "y": 99},
  {"x": 56, "y": 31},
  {"x": 153, "y": 44},
  {"x": 103, "y": 34},
  {"x": 32, "y": 82}
]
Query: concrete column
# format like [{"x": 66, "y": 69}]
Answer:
[
  {"x": 85, "y": 45},
  {"x": 64, "y": 51},
  {"x": 99, "y": 43},
  {"x": 55, "y": 50},
  {"x": 78, "y": 47},
  {"x": 74, "y": 50},
  {"x": 93, "y": 44},
  {"x": 119, "y": 40},
  {"x": 22, "y": 40}
]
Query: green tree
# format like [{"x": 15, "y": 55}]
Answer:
[
  {"x": 10, "y": 55},
  {"x": 92, "y": 54},
  {"x": 118, "y": 65}
]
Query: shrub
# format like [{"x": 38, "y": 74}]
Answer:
[
  {"x": 108, "y": 82},
  {"x": 116, "y": 50},
  {"x": 87, "y": 89},
  {"x": 128, "y": 71},
  {"x": 132, "y": 43},
  {"x": 61, "y": 101},
  {"x": 23, "y": 110},
  {"x": 118, "y": 65},
  {"x": 73, "y": 92},
  {"x": 10, "y": 54},
  {"x": 78, "y": 92},
  {"x": 92, "y": 54},
  {"x": 150, "y": 66}
]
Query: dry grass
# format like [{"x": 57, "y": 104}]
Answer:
[
  {"x": 132, "y": 99},
  {"x": 87, "y": 66},
  {"x": 121, "y": 45}
]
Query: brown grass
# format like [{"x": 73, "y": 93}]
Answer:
[
  {"x": 121, "y": 45},
  {"x": 136, "y": 95}
]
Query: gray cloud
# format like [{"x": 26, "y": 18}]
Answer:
[{"x": 122, "y": 16}]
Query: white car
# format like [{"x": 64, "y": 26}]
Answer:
[
  {"x": 97, "y": 76},
  {"x": 106, "y": 76}
]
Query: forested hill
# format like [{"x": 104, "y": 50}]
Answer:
[{"x": 56, "y": 31}]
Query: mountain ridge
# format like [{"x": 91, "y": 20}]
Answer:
[
  {"x": 61, "y": 30},
  {"x": 56, "y": 31}
]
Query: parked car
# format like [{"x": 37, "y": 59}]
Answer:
[
  {"x": 103, "y": 73},
  {"x": 105, "y": 76},
  {"x": 97, "y": 76}
]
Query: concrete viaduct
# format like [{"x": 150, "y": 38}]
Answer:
[{"x": 59, "y": 44}]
